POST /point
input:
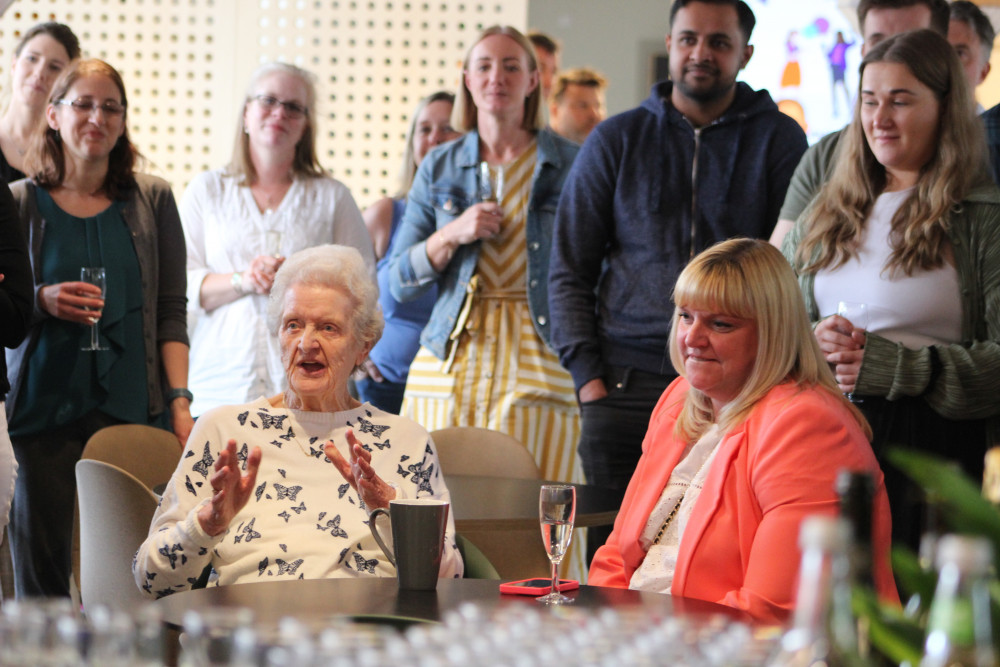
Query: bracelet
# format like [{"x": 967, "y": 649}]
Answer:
[
  {"x": 236, "y": 280},
  {"x": 179, "y": 392}
]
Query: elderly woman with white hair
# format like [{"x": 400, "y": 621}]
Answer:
[
  {"x": 255, "y": 495},
  {"x": 273, "y": 199}
]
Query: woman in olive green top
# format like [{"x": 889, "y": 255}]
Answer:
[{"x": 909, "y": 224}]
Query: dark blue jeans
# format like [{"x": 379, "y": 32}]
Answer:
[{"x": 611, "y": 433}]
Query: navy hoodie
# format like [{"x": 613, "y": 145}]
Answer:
[{"x": 648, "y": 192}]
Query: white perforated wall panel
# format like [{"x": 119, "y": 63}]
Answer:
[{"x": 186, "y": 63}]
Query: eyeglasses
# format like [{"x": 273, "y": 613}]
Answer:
[
  {"x": 292, "y": 109},
  {"x": 88, "y": 107}
]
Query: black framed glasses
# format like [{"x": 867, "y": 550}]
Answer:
[
  {"x": 292, "y": 109},
  {"x": 87, "y": 107}
]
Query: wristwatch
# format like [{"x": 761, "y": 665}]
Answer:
[
  {"x": 179, "y": 392},
  {"x": 236, "y": 280}
]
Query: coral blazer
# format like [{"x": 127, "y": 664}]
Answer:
[{"x": 740, "y": 545}]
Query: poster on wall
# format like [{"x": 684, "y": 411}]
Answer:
[{"x": 806, "y": 54}]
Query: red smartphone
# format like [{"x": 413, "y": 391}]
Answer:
[{"x": 537, "y": 586}]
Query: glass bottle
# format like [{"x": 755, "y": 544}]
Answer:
[
  {"x": 824, "y": 630},
  {"x": 856, "y": 490},
  {"x": 959, "y": 627}
]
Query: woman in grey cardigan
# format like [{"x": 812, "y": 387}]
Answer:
[{"x": 84, "y": 206}]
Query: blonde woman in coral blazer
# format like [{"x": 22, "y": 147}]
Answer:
[{"x": 741, "y": 448}]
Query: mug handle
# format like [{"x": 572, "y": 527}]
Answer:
[{"x": 378, "y": 538}]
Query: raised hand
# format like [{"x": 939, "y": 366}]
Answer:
[
  {"x": 360, "y": 474},
  {"x": 231, "y": 489}
]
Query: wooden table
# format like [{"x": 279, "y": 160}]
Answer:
[{"x": 316, "y": 602}]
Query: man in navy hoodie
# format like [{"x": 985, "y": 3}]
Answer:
[{"x": 703, "y": 159}]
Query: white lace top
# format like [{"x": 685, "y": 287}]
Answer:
[{"x": 665, "y": 526}]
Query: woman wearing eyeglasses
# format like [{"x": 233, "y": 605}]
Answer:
[
  {"x": 240, "y": 222},
  {"x": 84, "y": 205}
]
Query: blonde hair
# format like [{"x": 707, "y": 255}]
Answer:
[
  {"x": 306, "y": 162},
  {"x": 835, "y": 223},
  {"x": 749, "y": 278},
  {"x": 409, "y": 170},
  {"x": 581, "y": 76},
  {"x": 465, "y": 114}
]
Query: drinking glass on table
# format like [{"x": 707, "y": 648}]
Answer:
[
  {"x": 557, "y": 512},
  {"x": 857, "y": 314},
  {"x": 94, "y": 275}
]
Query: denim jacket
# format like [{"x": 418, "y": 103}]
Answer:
[{"x": 445, "y": 185}]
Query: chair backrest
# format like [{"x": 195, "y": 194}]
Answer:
[
  {"x": 477, "y": 565},
  {"x": 148, "y": 453},
  {"x": 115, "y": 512},
  {"x": 469, "y": 450}
]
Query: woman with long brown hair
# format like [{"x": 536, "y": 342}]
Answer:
[
  {"x": 909, "y": 224},
  {"x": 85, "y": 205},
  {"x": 43, "y": 53}
]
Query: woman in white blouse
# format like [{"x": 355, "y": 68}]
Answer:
[{"x": 240, "y": 222}]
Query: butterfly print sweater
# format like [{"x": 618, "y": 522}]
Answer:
[{"x": 303, "y": 520}]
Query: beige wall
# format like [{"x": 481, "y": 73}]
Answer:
[{"x": 186, "y": 64}]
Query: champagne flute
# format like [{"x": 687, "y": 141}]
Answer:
[
  {"x": 94, "y": 275},
  {"x": 557, "y": 512},
  {"x": 490, "y": 182},
  {"x": 272, "y": 243},
  {"x": 857, "y": 314}
]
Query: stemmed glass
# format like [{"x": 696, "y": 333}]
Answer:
[
  {"x": 857, "y": 314},
  {"x": 557, "y": 512},
  {"x": 272, "y": 243},
  {"x": 94, "y": 275},
  {"x": 490, "y": 182}
]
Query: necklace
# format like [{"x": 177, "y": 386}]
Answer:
[{"x": 680, "y": 501}]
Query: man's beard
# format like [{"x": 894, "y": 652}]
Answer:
[{"x": 705, "y": 94}]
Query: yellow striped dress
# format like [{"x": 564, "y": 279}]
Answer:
[{"x": 500, "y": 374}]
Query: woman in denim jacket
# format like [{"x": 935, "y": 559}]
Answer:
[{"x": 484, "y": 359}]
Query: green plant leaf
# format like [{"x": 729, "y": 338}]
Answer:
[
  {"x": 890, "y": 633},
  {"x": 965, "y": 509}
]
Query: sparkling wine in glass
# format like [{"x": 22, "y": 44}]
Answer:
[
  {"x": 94, "y": 275},
  {"x": 557, "y": 512},
  {"x": 490, "y": 183},
  {"x": 272, "y": 243},
  {"x": 857, "y": 314}
]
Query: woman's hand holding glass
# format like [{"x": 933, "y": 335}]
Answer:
[
  {"x": 843, "y": 344},
  {"x": 360, "y": 474},
  {"x": 72, "y": 301},
  {"x": 479, "y": 221},
  {"x": 259, "y": 276},
  {"x": 231, "y": 490}
]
